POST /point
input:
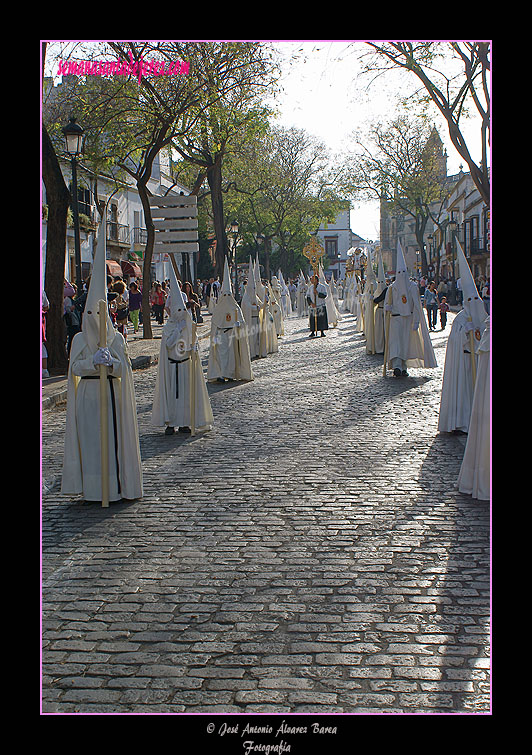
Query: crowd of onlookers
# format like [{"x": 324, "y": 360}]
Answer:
[
  {"x": 125, "y": 302},
  {"x": 436, "y": 297}
]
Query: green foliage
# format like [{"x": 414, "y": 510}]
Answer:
[{"x": 280, "y": 186}]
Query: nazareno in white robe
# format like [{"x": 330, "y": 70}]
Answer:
[
  {"x": 474, "y": 477},
  {"x": 82, "y": 456},
  {"x": 269, "y": 341},
  {"x": 229, "y": 354},
  {"x": 172, "y": 395},
  {"x": 457, "y": 387},
  {"x": 408, "y": 337},
  {"x": 252, "y": 312},
  {"x": 369, "y": 315}
]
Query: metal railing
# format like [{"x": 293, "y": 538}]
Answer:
[
  {"x": 140, "y": 235},
  {"x": 117, "y": 232},
  {"x": 477, "y": 246}
]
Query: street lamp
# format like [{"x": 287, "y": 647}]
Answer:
[
  {"x": 453, "y": 227},
  {"x": 234, "y": 231},
  {"x": 73, "y": 146}
]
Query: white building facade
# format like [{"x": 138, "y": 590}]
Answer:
[
  {"x": 337, "y": 238},
  {"x": 126, "y": 226}
]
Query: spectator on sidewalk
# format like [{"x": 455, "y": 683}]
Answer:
[
  {"x": 135, "y": 304},
  {"x": 121, "y": 307},
  {"x": 444, "y": 308},
  {"x": 159, "y": 299},
  {"x": 431, "y": 304},
  {"x": 193, "y": 303}
]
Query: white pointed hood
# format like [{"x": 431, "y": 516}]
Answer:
[
  {"x": 381, "y": 277},
  {"x": 97, "y": 291},
  {"x": 259, "y": 288},
  {"x": 472, "y": 303},
  {"x": 250, "y": 294},
  {"x": 176, "y": 302},
  {"x": 177, "y": 330},
  {"x": 226, "y": 283},
  {"x": 370, "y": 273},
  {"x": 226, "y": 312},
  {"x": 402, "y": 296}
]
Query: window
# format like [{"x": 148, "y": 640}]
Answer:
[
  {"x": 84, "y": 200},
  {"x": 331, "y": 247}
]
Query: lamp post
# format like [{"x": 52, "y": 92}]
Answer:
[
  {"x": 234, "y": 231},
  {"x": 74, "y": 144},
  {"x": 431, "y": 267},
  {"x": 453, "y": 227}
]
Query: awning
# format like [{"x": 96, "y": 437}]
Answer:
[
  {"x": 113, "y": 268},
  {"x": 131, "y": 269}
]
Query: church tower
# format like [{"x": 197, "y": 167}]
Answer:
[{"x": 438, "y": 154}]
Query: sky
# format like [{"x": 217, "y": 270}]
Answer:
[{"x": 324, "y": 96}]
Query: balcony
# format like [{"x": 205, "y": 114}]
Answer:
[
  {"x": 117, "y": 234},
  {"x": 140, "y": 235},
  {"x": 477, "y": 246}
]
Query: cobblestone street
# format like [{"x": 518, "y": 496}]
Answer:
[{"x": 309, "y": 554}]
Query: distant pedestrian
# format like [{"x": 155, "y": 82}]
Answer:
[
  {"x": 430, "y": 302},
  {"x": 71, "y": 317},
  {"x": 121, "y": 307},
  {"x": 486, "y": 295},
  {"x": 159, "y": 299},
  {"x": 193, "y": 303},
  {"x": 443, "y": 288},
  {"x": 135, "y": 303},
  {"x": 459, "y": 292},
  {"x": 444, "y": 308},
  {"x": 292, "y": 289}
]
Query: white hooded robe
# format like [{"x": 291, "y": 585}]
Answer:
[
  {"x": 229, "y": 355},
  {"x": 474, "y": 477},
  {"x": 179, "y": 362},
  {"x": 82, "y": 453},
  {"x": 409, "y": 343},
  {"x": 457, "y": 387}
]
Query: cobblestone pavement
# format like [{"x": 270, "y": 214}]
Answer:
[{"x": 310, "y": 554}]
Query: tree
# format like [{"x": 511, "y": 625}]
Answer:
[
  {"x": 281, "y": 188},
  {"x": 454, "y": 90},
  {"x": 158, "y": 117},
  {"x": 58, "y": 200},
  {"x": 234, "y": 77},
  {"x": 399, "y": 163}
]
